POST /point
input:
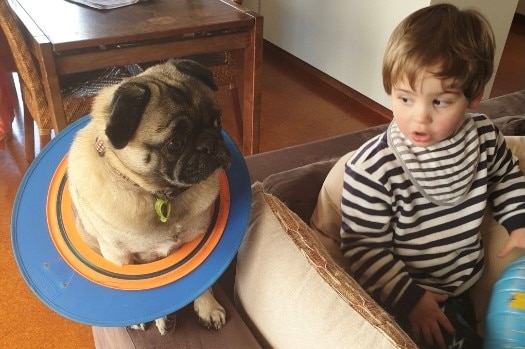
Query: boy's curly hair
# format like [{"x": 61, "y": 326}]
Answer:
[{"x": 459, "y": 43}]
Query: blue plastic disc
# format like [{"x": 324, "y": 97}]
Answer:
[{"x": 78, "y": 298}]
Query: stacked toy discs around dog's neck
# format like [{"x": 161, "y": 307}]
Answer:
[
  {"x": 85, "y": 261},
  {"x": 81, "y": 285}
]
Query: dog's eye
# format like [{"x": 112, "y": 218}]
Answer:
[
  {"x": 173, "y": 145},
  {"x": 217, "y": 121}
]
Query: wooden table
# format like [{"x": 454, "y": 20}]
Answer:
[{"x": 70, "y": 38}]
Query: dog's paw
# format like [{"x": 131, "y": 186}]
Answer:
[
  {"x": 212, "y": 318},
  {"x": 139, "y": 327},
  {"x": 165, "y": 325},
  {"x": 211, "y": 314}
]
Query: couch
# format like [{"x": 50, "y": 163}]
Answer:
[{"x": 286, "y": 288}]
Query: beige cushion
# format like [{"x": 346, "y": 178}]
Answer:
[
  {"x": 326, "y": 220},
  {"x": 293, "y": 295}
]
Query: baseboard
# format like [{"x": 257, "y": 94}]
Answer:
[
  {"x": 328, "y": 80},
  {"x": 518, "y": 19}
]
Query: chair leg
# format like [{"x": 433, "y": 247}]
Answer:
[{"x": 29, "y": 135}]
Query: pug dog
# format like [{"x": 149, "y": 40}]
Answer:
[{"x": 144, "y": 172}]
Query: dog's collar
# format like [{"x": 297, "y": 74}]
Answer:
[
  {"x": 162, "y": 197},
  {"x": 162, "y": 194}
]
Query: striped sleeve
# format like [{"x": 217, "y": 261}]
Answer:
[{"x": 367, "y": 243}]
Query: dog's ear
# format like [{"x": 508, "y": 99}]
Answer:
[
  {"x": 197, "y": 70},
  {"x": 128, "y": 104}
]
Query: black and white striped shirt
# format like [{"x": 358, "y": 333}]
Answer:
[{"x": 411, "y": 215}]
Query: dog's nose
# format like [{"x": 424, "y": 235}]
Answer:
[{"x": 207, "y": 144}]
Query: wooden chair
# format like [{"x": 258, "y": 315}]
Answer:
[
  {"x": 7, "y": 92},
  {"x": 224, "y": 68},
  {"x": 76, "y": 99}
]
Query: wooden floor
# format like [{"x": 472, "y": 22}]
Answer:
[{"x": 296, "y": 107}]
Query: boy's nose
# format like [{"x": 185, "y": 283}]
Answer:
[{"x": 422, "y": 115}]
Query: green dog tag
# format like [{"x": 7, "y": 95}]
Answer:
[{"x": 163, "y": 209}]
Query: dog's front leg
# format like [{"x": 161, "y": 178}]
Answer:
[{"x": 211, "y": 314}]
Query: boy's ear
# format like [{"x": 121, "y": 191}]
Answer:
[{"x": 474, "y": 102}]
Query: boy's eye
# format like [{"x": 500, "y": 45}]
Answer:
[{"x": 440, "y": 103}]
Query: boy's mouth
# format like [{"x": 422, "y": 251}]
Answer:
[{"x": 420, "y": 137}]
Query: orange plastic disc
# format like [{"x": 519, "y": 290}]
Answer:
[{"x": 88, "y": 263}]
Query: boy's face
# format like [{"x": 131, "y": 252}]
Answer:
[{"x": 432, "y": 112}]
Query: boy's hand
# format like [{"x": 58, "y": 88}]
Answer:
[
  {"x": 516, "y": 239},
  {"x": 426, "y": 318}
]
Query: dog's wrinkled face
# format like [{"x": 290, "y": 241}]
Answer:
[{"x": 165, "y": 124}]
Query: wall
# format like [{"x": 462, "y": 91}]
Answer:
[
  {"x": 346, "y": 38},
  {"x": 499, "y": 14}
]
